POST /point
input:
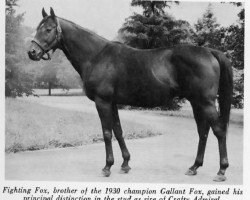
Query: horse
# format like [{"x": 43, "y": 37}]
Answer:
[{"x": 114, "y": 73}]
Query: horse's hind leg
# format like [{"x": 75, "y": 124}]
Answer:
[
  {"x": 118, "y": 134},
  {"x": 219, "y": 130},
  {"x": 203, "y": 129}
]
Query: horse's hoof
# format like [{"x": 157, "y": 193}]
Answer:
[
  {"x": 125, "y": 170},
  {"x": 106, "y": 173},
  {"x": 220, "y": 178},
  {"x": 191, "y": 172}
]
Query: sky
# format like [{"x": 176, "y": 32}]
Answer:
[{"x": 105, "y": 17}]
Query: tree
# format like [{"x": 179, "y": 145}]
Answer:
[
  {"x": 154, "y": 28},
  {"x": 235, "y": 48},
  {"x": 48, "y": 77},
  {"x": 208, "y": 32},
  {"x": 155, "y": 31},
  {"x": 153, "y": 7},
  {"x": 17, "y": 82}
]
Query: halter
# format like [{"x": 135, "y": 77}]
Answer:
[{"x": 58, "y": 38}]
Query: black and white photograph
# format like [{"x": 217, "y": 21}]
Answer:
[{"x": 124, "y": 92}]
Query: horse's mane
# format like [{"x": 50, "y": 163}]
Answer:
[
  {"x": 73, "y": 24},
  {"x": 82, "y": 28}
]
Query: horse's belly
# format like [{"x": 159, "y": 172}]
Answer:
[{"x": 143, "y": 96}]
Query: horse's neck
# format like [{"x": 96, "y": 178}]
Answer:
[{"x": 80, "y": 46}]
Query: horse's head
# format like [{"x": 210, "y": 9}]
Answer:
[{"x": 47, "y": 37}]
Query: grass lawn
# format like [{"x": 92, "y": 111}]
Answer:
[{"x": 32, "y": 126}]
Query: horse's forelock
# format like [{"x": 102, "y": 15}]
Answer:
[{"x": 43, "y": 21}]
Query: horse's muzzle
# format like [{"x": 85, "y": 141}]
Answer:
[
  {"x": 33, "y": 56},
  {"x": 35, "y": 53}
]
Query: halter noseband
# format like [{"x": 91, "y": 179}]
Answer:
[{"x": 58, "y": 38}]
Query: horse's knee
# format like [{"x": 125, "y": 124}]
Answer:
[
  {"x": 219, "y": 131},
  {"x": 118, "y": 134},
  {"x": 220, "y": 135},
  {"x": 203, "y": 137},
  {"x": 211, "y": 114},
  {"x": 107, "y": 136}
]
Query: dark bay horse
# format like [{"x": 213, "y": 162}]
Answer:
[{"x": 114, "y": 73}]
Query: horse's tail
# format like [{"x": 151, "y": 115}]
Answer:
[{"x": 225, "y": 86}]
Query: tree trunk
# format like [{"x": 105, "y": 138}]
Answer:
[
  {"x": 153, "y": 8},
  {"x": 50, "y": 85}
]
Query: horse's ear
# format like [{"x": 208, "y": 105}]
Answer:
[
  {"x": 44, "y": 13},
  {"x": 52, "y": 13}
]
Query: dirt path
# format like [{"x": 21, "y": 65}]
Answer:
[{"x": 161, "y": 159}]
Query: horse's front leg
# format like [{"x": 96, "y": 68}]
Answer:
[
  {"x": 118, "y": 134},
  {"x": 104, "y": 109}
]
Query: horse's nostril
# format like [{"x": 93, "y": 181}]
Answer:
[{"x": 32, "y": 53}]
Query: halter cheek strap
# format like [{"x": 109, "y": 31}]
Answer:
[{"x": 59, "y": 31}]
